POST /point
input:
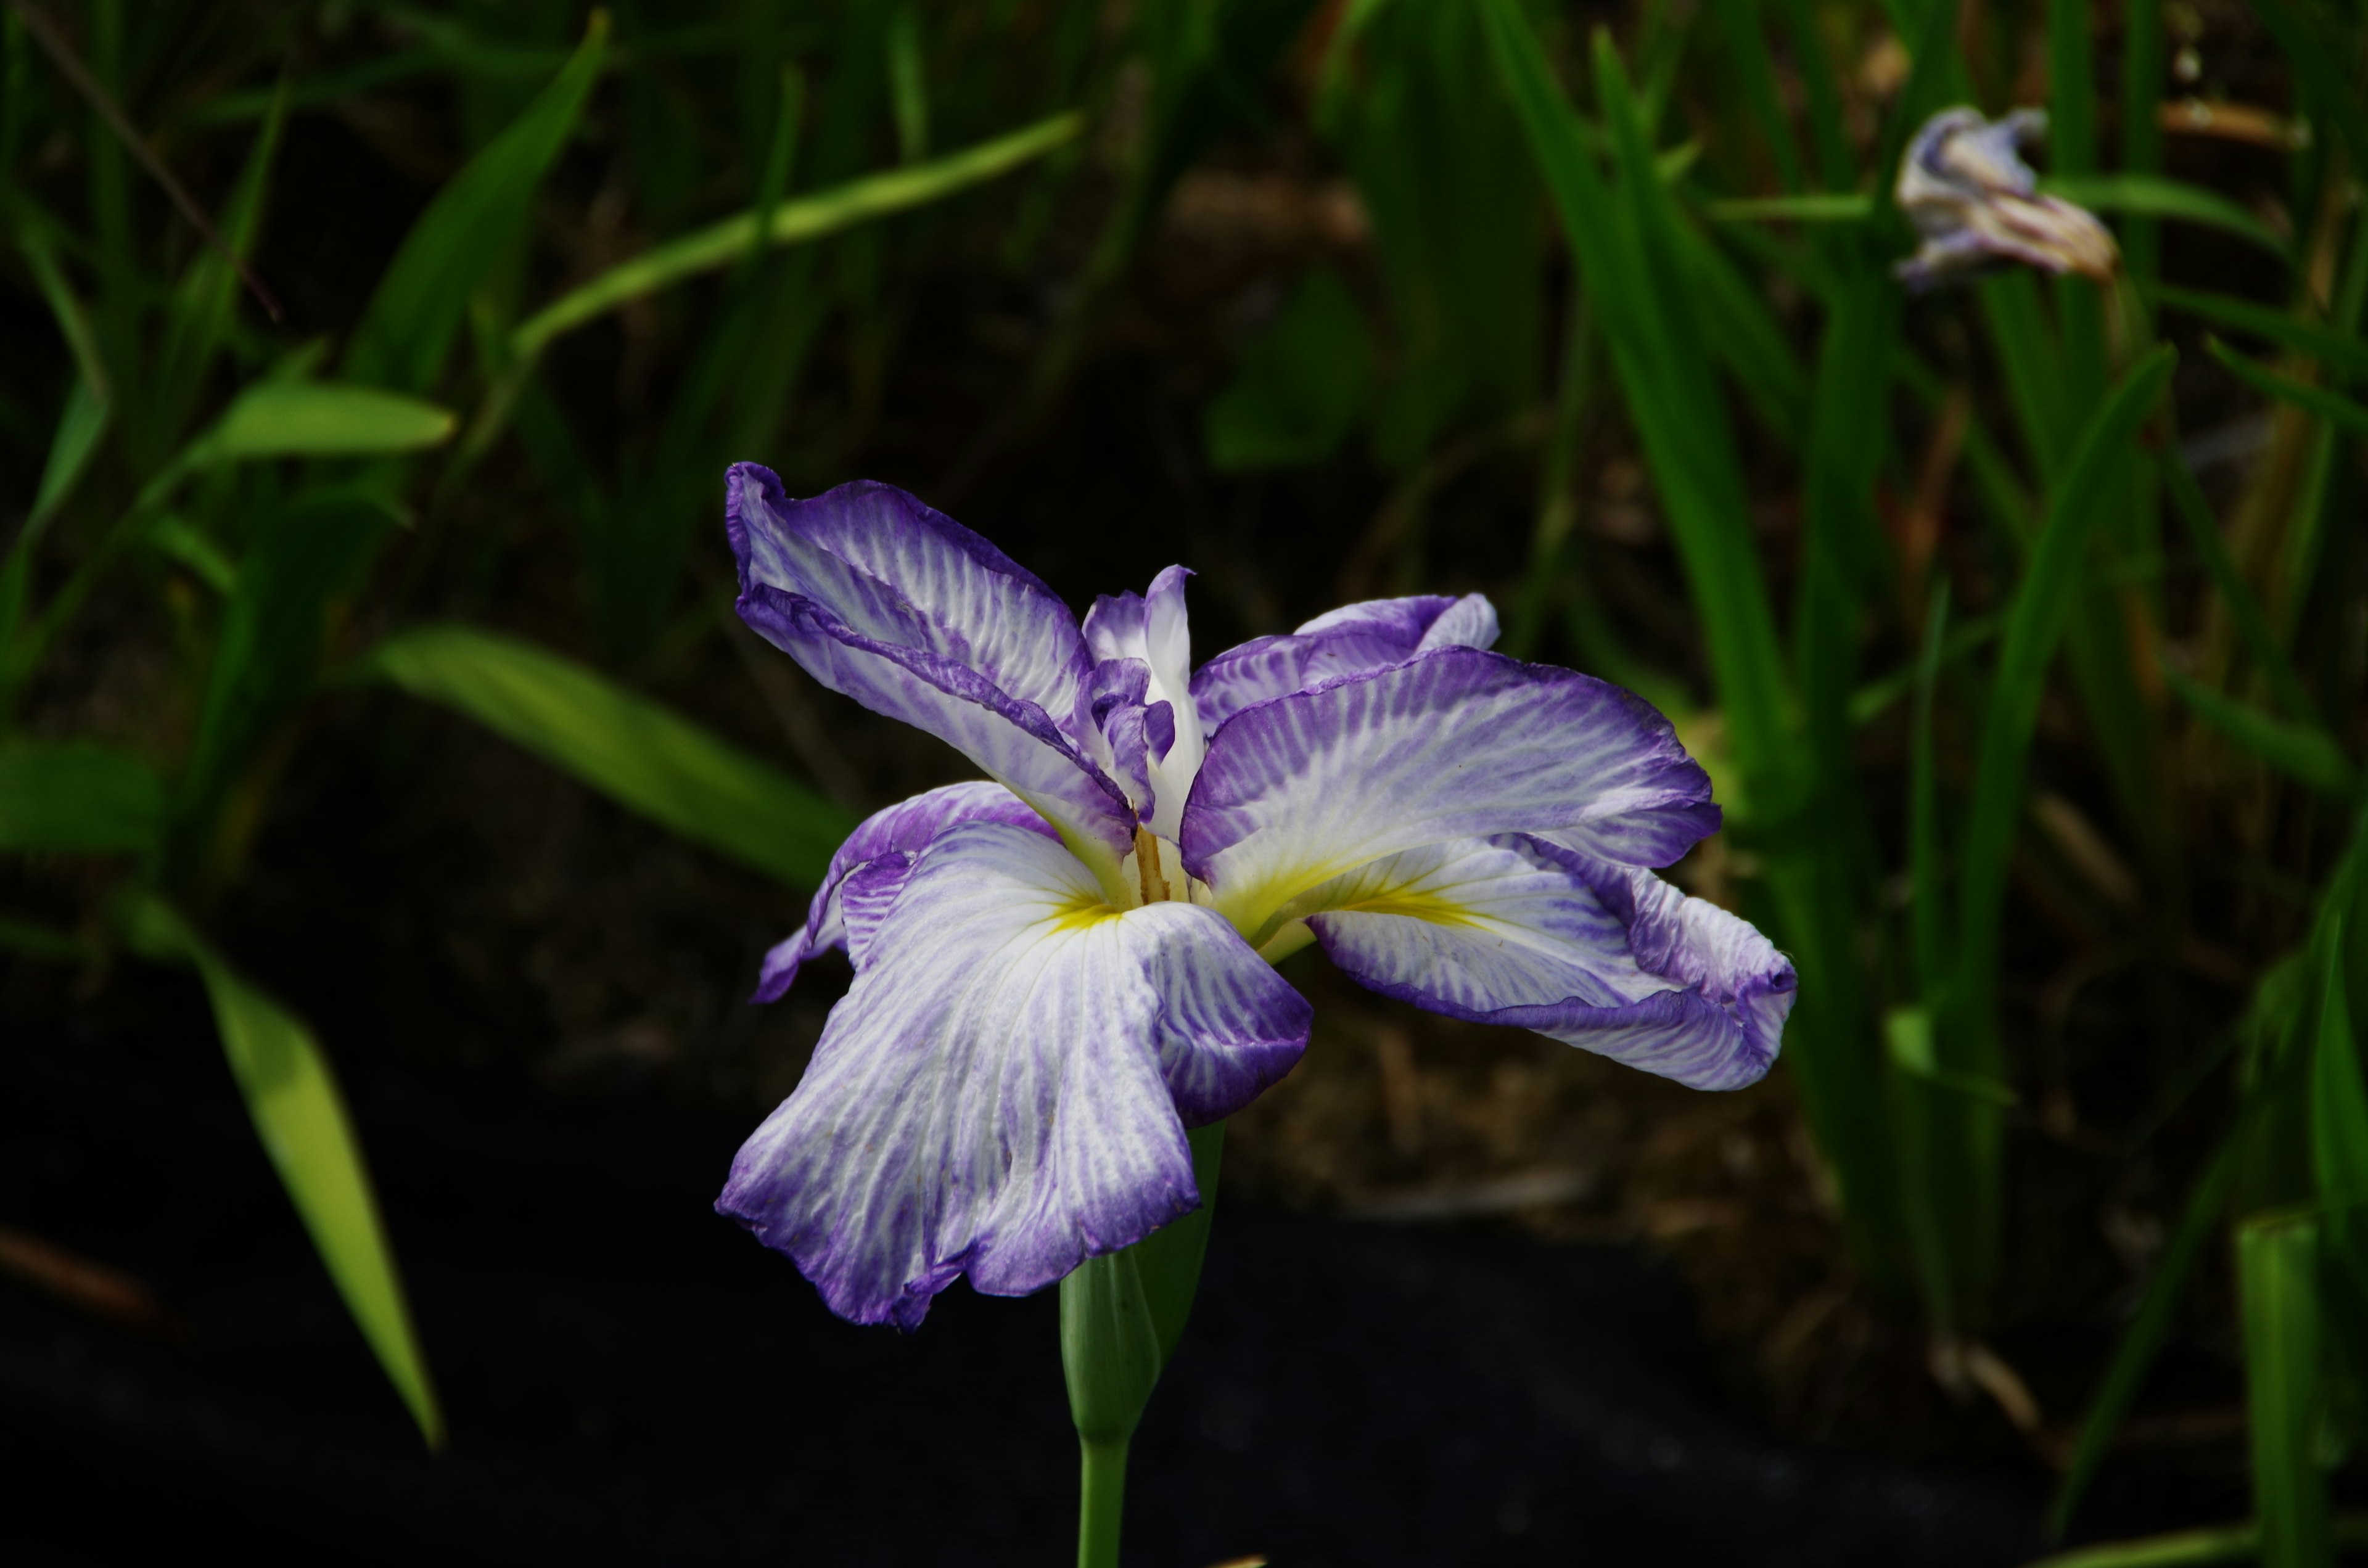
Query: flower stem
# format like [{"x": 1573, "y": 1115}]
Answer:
[{"x": 1101, "y": 1501}]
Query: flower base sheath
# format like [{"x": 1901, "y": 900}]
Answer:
[{"x": 1057, "y": 972}]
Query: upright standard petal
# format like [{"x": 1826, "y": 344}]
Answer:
[
  {"x": 1154, "y": 631},
  {"x": 1609, "y": 957},
  {"x": 914, "y": 616},
  {"x": 1457, "y": 743},
  {"x": 902, "y": 831},
  {"x": 1352, "y": 640},
  {"x": 998, "y": 1093}
]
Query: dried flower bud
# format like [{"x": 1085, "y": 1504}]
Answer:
[{"x": 1964, "y": 185}]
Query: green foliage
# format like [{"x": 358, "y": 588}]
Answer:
[
  {"x": 637, "y": 752},
  {"x": 79, "y": 798},
  {"x": 301, "y": 1119},
  {"x": 305, "y": 419},
  {"x": 474, "y": 222}
]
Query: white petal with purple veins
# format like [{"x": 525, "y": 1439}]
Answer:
[
  {"x": 916, "y": 616},
  {"x": 1155, "y": 631},
  {"x": 903, "y": 829},
  {"x": 1607, "y": 958},
  {"x": 1457, "y": 743},
  {"x": 1352, "y": 640},
  {"x": 998, "y": 1093}
]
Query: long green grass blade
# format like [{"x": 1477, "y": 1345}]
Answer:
[
  {"x": 77, "y": 797},
  {"x": 2300, "y": 750},
  {"x": 2034, "y": 626},
  {"x": 2333, "y": 407},
  {"x": 408, "y": 327},
  {"x": 2337, "y": 350},
  {"x": 2253, "y": 625},
  {"x": 793, "y": 222},
  {"x": 2157, "y": 196},
  {"x": 642, "y": 755},
  {"x": 80, "y": 429},
  {"x": 2338, "y": 1100},
  {"x": 301, "y": 1118},
  {"x": 2239, "y": 1543},
  {"x": 2277, "y": 1275},
  {"x": 2134, "y": 1356},
  {"x": 318, "y": 419}
]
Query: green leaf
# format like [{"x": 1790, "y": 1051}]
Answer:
[
  {"x": 640, "y": 755},
  {"x": 80, "y": 429},
  {"x": 301, "y": 1118},
  {"x": 2338, "y": 411},
  {"x": 2335, "y": 350},
  {"x": 301, "y": 558},
  {"x": 79, "y": 798},
  {"x": 2154, "y": 195},
  {"x": 2277, "y": 1274},
  {"x": 2187, "y": 500},
  {"x": 2338, "y": 1100},
  {"x": 2134, "y": 1355},
  {"x": 471, "y": 225},
  {"x": 1123, "y": 1314},
  {"x": 308, "y": 419},
  {"x": 2301, "y": 750},
  {"x": 793, "y": 222},
  {"x": 1821, "y": 207},
  {"x": 2035, "y": 625},
  {"x": 1299, "y": 385}
]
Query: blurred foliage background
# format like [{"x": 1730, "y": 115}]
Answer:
[{"x": 365, "y": 643}]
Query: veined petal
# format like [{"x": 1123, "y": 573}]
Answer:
[
  {"x": 1351, "y": 639},
  {"x": 902, "y": 830},
  {"x": 1457, "y": 743},
  {"x": 1000, "y": 1091},
  {"x": 1607, "y": 958},
  {"x": 914, "y": 616},
  {"x": 1155, "y": 631}
]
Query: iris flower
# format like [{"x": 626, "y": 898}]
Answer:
[
  {"x": 1964, "y": 185},
  {"x": 1059, "y": 971}
]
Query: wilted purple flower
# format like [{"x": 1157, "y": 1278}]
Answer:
[
  {"x": 1057, "y": 972},
  {"x": 1975, "y": 202}
]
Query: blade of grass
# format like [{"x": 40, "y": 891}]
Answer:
[
  {"x": 2141, "y": 197},
  {"x": 793, "y": 222},
  {"x": 2271, "y": 1013},
  {"x": 1927, "y": 910},
  {"x": 300, "y": 1117},
  {"x": 2338, "y": 1100},
  {"x": 2192, "y": 1548},
  {"x": 102, "y": 102},
  {"x": 2301, "y": 750},
  {"x": 2035, "y": 625},
  {"x": 2187, "y": 501},
  {"x": 407, "y": 328},
  {"x": 2333, "y": 407},
  {"x": 2338, "y": 352},
  {"x": 2277, "y": 1274},
  {"x": 639, "y": 754},
  {"x": 317, "y": 419}
]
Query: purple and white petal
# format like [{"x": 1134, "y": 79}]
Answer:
[
  {"x": 1607, "y": 958},
  {"x": 914, "y": 616},
  {"x": 1458, "y": 744},
  {"x": 1351, "y": 639},
  {"x": 1155, "y": 631},
  {"x": 998, "y": 1093},
  {"x": 902, "y": 830}
]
